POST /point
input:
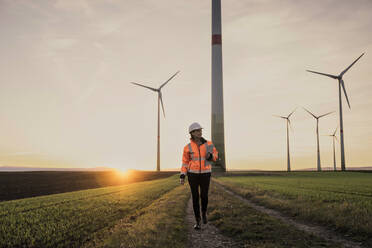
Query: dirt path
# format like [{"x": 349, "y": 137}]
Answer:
[
  {"x": 208, "y": 237},
  {"x": 312, "y": 229}
]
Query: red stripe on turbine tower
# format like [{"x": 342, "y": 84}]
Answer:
[{"x": 216, "y": 39}]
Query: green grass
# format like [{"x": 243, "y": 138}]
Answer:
[
  {"x": 341, "y": 201},
  {"x": 162, "y": 224},
  {"x": 70, "y": 219},
  {"x": 255, "y": 229}
]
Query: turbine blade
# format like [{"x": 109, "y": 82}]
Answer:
[
  {"x": 168, "y": 80},
  {"x": 324, "y": 74},
  {"x": 344, "y": 71},
  {"x": 161, "y": 101},
  {"x": 290, "y": 126},
  {"x": 343, "y": 87},
  {"x": 326, "y": 114},
  {"x": 336, "y": 139},
  {"x": 310, "y": 113},
  {"x": 153, "y": 89},
  {"x": 334, "y": 133},
  {"x": 291, "y": 113},
  {"x": 280, "y": 116}
]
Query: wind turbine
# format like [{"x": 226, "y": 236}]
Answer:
[
  {"x": 340, "y": 84},
  {"x": 288, "y": 124},
  {"x": 160, "y": 100},
  {"x": 317, "y": 136},
  {"x": 217, "y": 113},
  {"x": 334, "y": 151}
]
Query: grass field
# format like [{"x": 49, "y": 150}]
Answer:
[
  {"x": 71, "y": 219},
  {"x": 18, "y": 185},
  {"x": 255, "y": 229},
  {"x": 339, "y": 200},
  {"x": 152, "y": 213},
  {"x": 162, "y": 224}
]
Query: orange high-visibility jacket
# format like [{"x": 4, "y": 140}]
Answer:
[{"x": 194, "y": 157}]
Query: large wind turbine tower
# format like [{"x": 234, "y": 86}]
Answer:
[{"x": 218, "y": 134}]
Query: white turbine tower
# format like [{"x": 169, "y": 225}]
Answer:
[
  {"x": 218, "y": 133},
  {"x": 319, "y": 167},
  {"x": 334, "y": 150},
  {"x": 340, "y": 84},
  {"x": 288, "y": 124},
  {"x": 160, "y": 100}
]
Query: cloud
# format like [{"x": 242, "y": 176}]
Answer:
[
  {"x": 75, "y": 6},
  {"x": 20, "y": 154}
]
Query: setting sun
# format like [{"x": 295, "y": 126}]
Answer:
[{"x": 124, "y": 173}]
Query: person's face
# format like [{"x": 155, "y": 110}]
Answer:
[{"x": 197, "y": 133}]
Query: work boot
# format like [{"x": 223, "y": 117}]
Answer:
[
  {"x": 197, "y": 225},
  {"x": 204, "y": 216}
]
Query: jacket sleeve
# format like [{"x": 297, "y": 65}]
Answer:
[
  {"x": 215, "y": 154},
  {"x": 185, "y": 162}
]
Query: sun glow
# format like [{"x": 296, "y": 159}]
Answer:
[{"x": 124, "y": 173}]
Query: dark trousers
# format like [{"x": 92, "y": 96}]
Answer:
[{"x": 199, "y": 180}]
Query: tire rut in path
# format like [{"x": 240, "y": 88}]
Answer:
[
  {"x": 312, "y": 229},
  {"x": 208, "y": 236}
]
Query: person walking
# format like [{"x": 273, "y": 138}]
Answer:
[{"x": 197, "y": 160}]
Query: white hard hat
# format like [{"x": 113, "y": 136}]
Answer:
[{"x": 194, "y": 126}]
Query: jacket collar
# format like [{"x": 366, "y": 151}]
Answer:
[{"x": 201, "y": 139}]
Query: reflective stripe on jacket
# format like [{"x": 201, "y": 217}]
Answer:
[{"x": 194, "y": 157}]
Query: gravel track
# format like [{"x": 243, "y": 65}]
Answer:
[{"x": 208, "y": 236}]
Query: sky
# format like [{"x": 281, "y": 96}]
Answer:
[{"x": 66, "y": 67}]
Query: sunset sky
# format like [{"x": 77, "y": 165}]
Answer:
[{"x": 66, "y": 67}]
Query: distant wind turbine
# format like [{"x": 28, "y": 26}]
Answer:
[
  {"x": 288, "y": 124},
  {"x": 319, "y": 167},
  {"x": 160, "y": 100},
  {"x": 334, "y": 137},
  {"x": 340, "y": 84}
]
